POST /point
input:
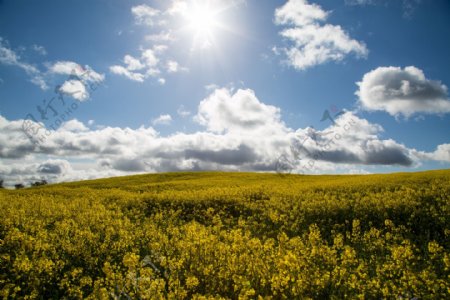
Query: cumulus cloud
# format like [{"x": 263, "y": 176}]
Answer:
[
  {"x": 242, "y": 154},
  {"x": 223, "y": 111},
  {"x": 349, "y": 140},
  {"x": 13, "y": 141},
  {"x": 442, "y": 154},
  {"x": 310, "y": 42},
  {"x": 85, "y": 73},
  {"x": 52, "y": 170},
  {"x": 54, "y": 166},
  {"x": 78, "y": 78},
  {"x": 129, "y": 164},
  {"x": 299, "y": 13},
  {"x": 402, "y": 92},
  {"x": 173, "y": 66},
  {"x": 74, "y": 125},
  {"x": 162, "y": 120},
  {"x": 150, "y": 58},
  {"x": 132, "y": 63},
  {"x": 239, "y": 133},
  {"x": 74, "y": 88}
]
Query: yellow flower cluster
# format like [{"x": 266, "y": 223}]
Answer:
[{"x": 219, "y": 235}]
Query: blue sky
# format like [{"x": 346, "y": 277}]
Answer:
[{"x": 223, "y": 85}]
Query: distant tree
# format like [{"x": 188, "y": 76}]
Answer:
[
  {"x": 38, "y": 183},
  {"x": 1, "y": 184},
  {"x": 19, "y": 186}
]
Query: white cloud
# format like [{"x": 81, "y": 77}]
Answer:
[
  {"x": 182, "y": 111},
  {"x": 119, "y": 70},
  {"x": 240, "y": 133},
  {"x": 350, "y": 140},
  {"x": 299, "y": 13},
  {"x": 147, "y": 65},
  {"x": 172, "y": 66},
  {"x": 310, "y": 42},
  {"x": 85, "y": 74},
  {"x": 149, "y": 57},
  {"x": 52, "y": 170},
  {"x": 39, "y": 49},
  {"x": 360, "y": 2},
  {"x": 162, "y": 120},
  {"x": 211, "y": 87},
  {"x": 442, "y": 154},
  {"x": 163, "y": 36},
  {"x": 11, "y": 58},
  {"x": 74, "y": 125},
  {"x": 178, "y": 7},
  {"x": 241, "y": 112},
  {"x": 78, "y": 79},
  {"x": 132, "y": 63},
  {"x": 160, "y": 48},
  {"x": 152, "y": 72},
  {"x": 402, "y": 92},
  {"x": 75, "y": 88},
  {"x": 39, "y": 81},
  {"x": 144, "y": 14},
  {"x": 66, "y": 68}
]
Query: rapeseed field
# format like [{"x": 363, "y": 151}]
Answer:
[{"x": 218, "y": 235}]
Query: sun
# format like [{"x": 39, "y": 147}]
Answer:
[{"x": 202, "y": 20}]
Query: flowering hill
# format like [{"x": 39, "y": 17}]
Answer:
[{"x": 216, "y": 235}]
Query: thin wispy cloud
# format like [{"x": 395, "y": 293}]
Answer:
[
  {"x": 408, "y": 6},
  {"x": 11, "y": 58}
]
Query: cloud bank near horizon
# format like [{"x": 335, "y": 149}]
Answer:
[{"x": 240, "y": 133}]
